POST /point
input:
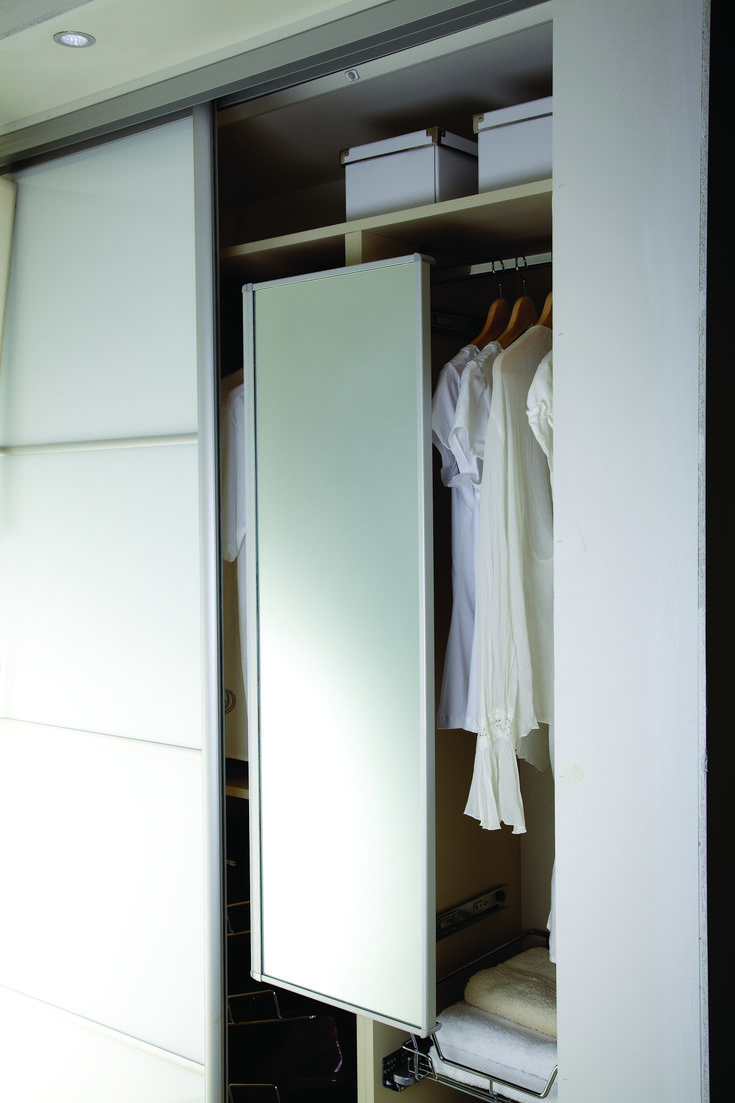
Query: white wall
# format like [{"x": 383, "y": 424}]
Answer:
[{"x": 628, "y": 715}]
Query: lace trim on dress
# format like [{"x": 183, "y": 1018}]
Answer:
[
  {"x": 501, "y": 724},
  {"x": 495, "y": 795}
]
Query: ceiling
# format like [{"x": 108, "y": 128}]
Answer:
[{"x": 138, "y": 42}]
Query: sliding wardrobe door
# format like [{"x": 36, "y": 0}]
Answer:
[
  {"x": 107, "y": 596},
  {"x": 628, "y": 506},
  {"x": 339, "y": 570}
]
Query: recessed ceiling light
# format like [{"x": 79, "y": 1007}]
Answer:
[{"x": 74, "y": 38}]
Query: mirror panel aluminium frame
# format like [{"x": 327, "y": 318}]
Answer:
[{"x": 340, "y": 649}]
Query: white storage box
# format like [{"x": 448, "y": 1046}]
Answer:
[
  {"x": 514, "y": 144},
  {"x": 424, "y": 167}
]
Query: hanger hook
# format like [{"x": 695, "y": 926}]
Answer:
[
  {"x": 497, "y": 277},
  {"x": 520, "y": 270}
]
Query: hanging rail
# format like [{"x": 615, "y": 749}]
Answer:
[{"x": 498, "y": 268}]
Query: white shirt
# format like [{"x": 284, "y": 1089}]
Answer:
[
  {"x": 454, "y": 692},
  {"x": 514, "y": 590},
  {"x": 467, "y": 435},
  {"x": 467, "y": 443}
]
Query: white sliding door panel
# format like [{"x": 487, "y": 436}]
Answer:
[
  {"x": 105, "y": 635},
  {"x": 93, "y": 1062},
  {"x": 340, "y": 420},
  {"x": 111, "y": 860},
  {"x": 629, "y": 715},
  {"x": 100, "y": 338},
  {"x": 111, "y": 828}
]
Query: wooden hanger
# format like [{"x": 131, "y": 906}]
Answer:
[
  {"x": 495, "y": 323},
  {"x": 522, "y": 317},
  {"x": 545, "y": 319}
]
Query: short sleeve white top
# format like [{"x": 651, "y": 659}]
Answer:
[
  {"x": 467, "y": 435},
  {"x": 458, "y": 708}
]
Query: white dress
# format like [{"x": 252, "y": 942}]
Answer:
[
  {"x": 514, "y": 591},
  {"x": 453, "y": 699}
]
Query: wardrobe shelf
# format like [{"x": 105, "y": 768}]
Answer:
[
  {"x": 237, "y": 778},
  {"x": 474, "y": 228}
]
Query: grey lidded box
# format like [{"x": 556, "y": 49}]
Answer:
[
  {"x": 426, "y": 166},
  {"x": 514, "y": 144}
]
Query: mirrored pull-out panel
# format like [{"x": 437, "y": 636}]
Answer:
[{"x": 340, "y": 685}]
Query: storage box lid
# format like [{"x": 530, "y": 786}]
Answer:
[
  {"x": 433, "y": 136},
  {"x": 519, "y": 112}
]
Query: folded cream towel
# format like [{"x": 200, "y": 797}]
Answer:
[{"x": 522, "y": 989}]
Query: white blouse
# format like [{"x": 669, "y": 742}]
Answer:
[
  {"x": 467, "y": 435},
  {"x": 514, "y": 591}
]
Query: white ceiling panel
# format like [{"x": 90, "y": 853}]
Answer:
[
  {"x": 18, "y": 15},
  {"x": 138, "y": 42}
]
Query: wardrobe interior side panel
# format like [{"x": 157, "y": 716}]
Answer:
[{"x": 537, "y": 846}]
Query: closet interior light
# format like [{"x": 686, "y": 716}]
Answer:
[{"x": 74, "y": 38}]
